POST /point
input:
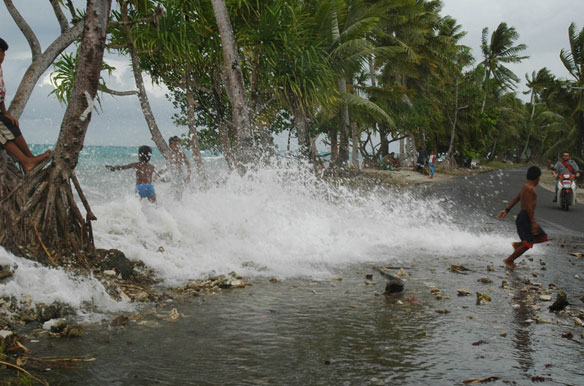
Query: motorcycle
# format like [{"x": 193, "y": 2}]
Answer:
[{"x": 566, "y": 194}]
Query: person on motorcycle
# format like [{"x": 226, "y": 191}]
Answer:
[{"x": 564, "y": 166}]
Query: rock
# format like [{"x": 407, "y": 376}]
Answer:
[
  {"x": 503, "y": 334},
  {"x": 561, "y": 301},
  {"x": 369, "y": 282},
  {"x": 5, "y": 271},
  {"x": 113, "y": 259},
  {"x": 5, "y": 333},
  {"x": 485, "y": 280},
  {"x": 463, "y": 292},
  {"x": 110, "y": 272},
  {"x": 483, "y": 298},
  {"x": 394, "y": 284},
  {"x": 578, "y": 322},
  {"x": 490, "y": 268},
  {"x": 54, "y": 310},
  {"x": 545, "y": 298}
]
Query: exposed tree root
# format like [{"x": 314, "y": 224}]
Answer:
[{"x": 39, "y": 216}]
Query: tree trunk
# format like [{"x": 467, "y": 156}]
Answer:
[
  {"x": 301, "y": 124},
  {"x": 220, "y": 121},
  {"x": 343, "y": 157},
  {"x": 448, "y": 160},
  {"x": 193, "y": 135},
  {"x": 40, "y": 218},
  {"x": 40, "y": 60},
  {"x": 142, "y": 95},
  {"x": 333, "y": 136},
  {"x": 355, "y": 139},
  {"x": 239, "y": 103}
]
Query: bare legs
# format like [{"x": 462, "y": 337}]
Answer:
[
  {"x": 19, "y": 148},
  {"x": 518, "y": 250}
]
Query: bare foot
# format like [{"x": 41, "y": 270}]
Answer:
[
  {"x": 31, "y": 163},
  {"x": 509, "y": 264}
]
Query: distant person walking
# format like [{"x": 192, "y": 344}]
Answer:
[
  {"x": 10, "y": 135},
  {"x": 145, "y": 172},
  {"x": 529, "y": 232},
  {"x": 432, "y": 163}
]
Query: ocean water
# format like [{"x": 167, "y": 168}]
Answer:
[{"x": 278, "y": 221}]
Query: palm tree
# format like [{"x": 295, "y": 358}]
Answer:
[
  {"x": 497, "y": 52},
  {"x": 573, "y": 60}
]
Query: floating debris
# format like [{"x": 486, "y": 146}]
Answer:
[
  {"x": 490, "y": 268},
  {"x": 480, "y": 342},
  {"x": 485, "y": 280},
  {"x": 545, "y": 298},
  {"x": 480, "y": 380},
  {"x": 443, "y": 311}
]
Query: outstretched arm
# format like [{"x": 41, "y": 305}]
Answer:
[
  {"x": 504, "y": 212},
  {"x": 121, "y": 167}
]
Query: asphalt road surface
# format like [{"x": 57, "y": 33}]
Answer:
[{"x": 489, "y": 192}]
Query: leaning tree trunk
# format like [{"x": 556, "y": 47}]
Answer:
[
  {"x": 40, "y": 60},
  {"x": 220, "y": 121},
  {"x": 193, "y": 135},
  {"x": 40, "y": 218},
  {"x": 142, "y": 95},
  {"x": 345, "y": 127},
  {"x": 239, "y": 101}
]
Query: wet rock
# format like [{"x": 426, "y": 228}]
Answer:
[
  {"x": 483, "y": 298},
  {"x": 5, "y": 333},
  {"x": 121, "y": 320},
  {"x": 578, "y": 321},
  {"x": 545, "y": 298},
  {"x": 561, "y": 302},
  {"x": 490, "y": 268},
  {"x": 54, "y": 310},
  {"x": 463, "y": 292},
  {"x": 485, "y": 280},
  {"x": 5, "y": 272},
  {"x": 459, "y": 269},
  {"x": 394, "y": 284},
  {"x": 114, "y": 259}
]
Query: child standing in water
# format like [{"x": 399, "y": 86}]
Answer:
[
  {"x": 144, "y": 172},
  {"x": 529, "y": 232}
]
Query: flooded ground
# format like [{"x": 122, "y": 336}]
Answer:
[
  {"x": 346, "y": 332},
  {"x": 339, "y": 328}
]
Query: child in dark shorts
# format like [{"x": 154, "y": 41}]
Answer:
[{"x": 529, "y": 232}]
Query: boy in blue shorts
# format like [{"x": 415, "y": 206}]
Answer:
[
  {"x": 529, "y": 232},
  {"x": 144, "y": 172}
]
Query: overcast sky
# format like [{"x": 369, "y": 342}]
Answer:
[{"x": 542, "y": 25}]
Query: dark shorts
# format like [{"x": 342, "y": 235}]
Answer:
[{"x": 523, "y": 224}]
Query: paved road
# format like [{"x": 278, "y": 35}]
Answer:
[{"x": 489, "y": 192}]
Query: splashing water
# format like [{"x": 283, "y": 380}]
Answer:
[{"x": 275, "y": 221}]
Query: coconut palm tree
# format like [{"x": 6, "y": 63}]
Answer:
[
  {"x": 497, "y": 52},
  {"x": 573, "y": 60}
]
